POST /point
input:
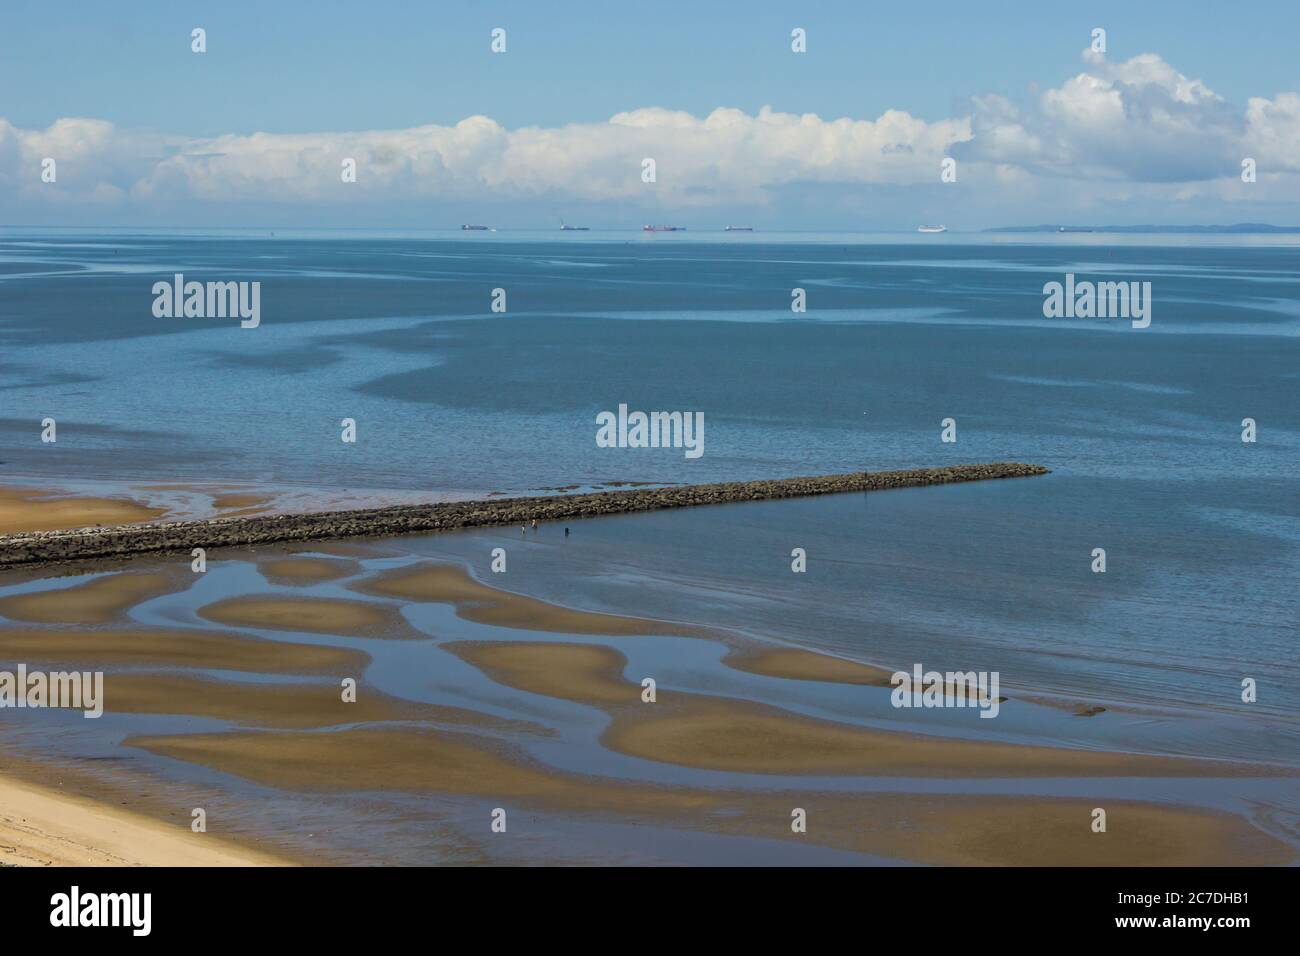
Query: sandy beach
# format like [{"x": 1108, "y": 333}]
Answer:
[
  {"x": 40, "y": 826},
  {"x": 247, "y": 683}
]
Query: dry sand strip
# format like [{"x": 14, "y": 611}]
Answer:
[
  {"x": 40, "y": 826},
  {"x": 56, "y": 546}
]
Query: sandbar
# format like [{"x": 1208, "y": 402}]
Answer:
[
  {"x": 177, "y": 648},
  {"x": 280, "y": 705},
  {"x": 96, "y": 601},
  {"x": 724, "y": 733},
  {"x": 944, "y": 829},
  {"x": 474, "y": 601},
  {"x": 310, "y": 614},
  {"x": 298, "y": 571},
  {"x": 32, "y": 509}
]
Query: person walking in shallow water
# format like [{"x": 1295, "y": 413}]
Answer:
[
  {"x": 566, "y": 532},
  {"x": 534, "y": 524}
]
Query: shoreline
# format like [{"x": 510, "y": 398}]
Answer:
[
  {"x": 50, "y": 547},
  {"x": 43, "y": 826},
  {"x": 292, "y": 735},
  {"x": 297, "y": 737}
]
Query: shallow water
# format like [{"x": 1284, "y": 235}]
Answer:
[
  {"x": 1141, "y": 429},
  {"x": 368, "y": 826}
]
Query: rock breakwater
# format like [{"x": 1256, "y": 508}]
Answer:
[{"x": 123, "y": 540}]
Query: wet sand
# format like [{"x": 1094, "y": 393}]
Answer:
[
  {"x": 406, "y": 760},
  {"x": 314, "y": 614},
  {"x": 939, "y": 830},
  {"x": 484, "y": 604},
  {"x": 792, "y": 663},
  {"x": 1029, "y": 831},
  {"x": 302, "y": 738},
  {"x": 447, "y": 584},
  {"x": 278, "y": 705},
  {"x": 32, "y": 509},
  {"x": 97, "y": 601},
  {"x": 304, "y": 571},
  {"x": 176, "y": 648},
  {"x": 720, "y": 733}
]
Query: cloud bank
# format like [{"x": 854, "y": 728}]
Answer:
[{"x": 1117, "y": 127}]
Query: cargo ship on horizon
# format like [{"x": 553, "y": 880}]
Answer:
[{"x": 663, "y": 228}]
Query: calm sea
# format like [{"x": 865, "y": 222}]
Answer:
[{"x": 1142, "y": 428}]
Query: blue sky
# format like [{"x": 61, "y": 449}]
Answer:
[{"x": 346, "y": 68}]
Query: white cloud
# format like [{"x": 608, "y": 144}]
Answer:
[
  {"x": 1139, "y": 120},
  {"x": 725, "y": 156},
  {"x": 1111, "y": 125},
  {"x": 1273, "y": 131}
]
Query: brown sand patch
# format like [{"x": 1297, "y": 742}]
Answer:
[
  {"x": 31, "y": 509},
  {"x": 97, "y": 601},
  {"x": 301, "y": 571},
  {"x": 1021, "y": 831},
  {"x": 1058, "y": 832},
  {"x": 796, "y": 664},
  {"x": 405, "y": 760},
  {"x": 722, "y": 733},
  {"x": 448, "y": 584},
  {"x": 310, "y": 614},
  {"x": 585, "y": 673},
  {"x": 280, "y": 705},
  {"x": 176, "y": 648},
  {"x": 942, "y": 829}
]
